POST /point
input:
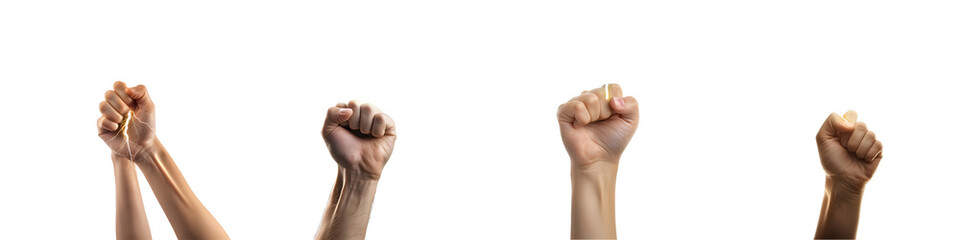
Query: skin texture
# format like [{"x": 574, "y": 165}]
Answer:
[
  {"x": 595, "y": 132},
  {"x": 360, "y": 138},
  {"x": 140, "y": 147},
  {"x": 850, "y": 154}
]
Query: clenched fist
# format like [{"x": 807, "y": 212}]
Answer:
[
  {"x": 597, "y": 125},
  {"x": 849, "y": 152},
  {"x": 127, "y": 123},
  {"x": 360, "y": 137}
]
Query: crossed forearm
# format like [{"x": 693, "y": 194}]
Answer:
[
  {"x": 131, "y": 218},
  {"x": 348, "y": 210},
  {"x": 189, "y": 218}
]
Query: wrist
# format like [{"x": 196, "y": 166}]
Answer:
[
  {"x": 593, "y": 201},
  {"x": 148, "y": 153},
  {"x": 599, "y": 180},
  {"x": 360, "y": 180},
  {"x": 602, "y": 179},
  {"x": 602, "y": 167},
  {"x": 119, "y": 159},
  {"x": 843, "y": 190}
]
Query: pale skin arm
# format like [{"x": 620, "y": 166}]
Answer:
[
  {"x": 189, "y": 218},
  {"x": 360, "y": 138},
  {"x": 131, "y": 218},
  {"x": 135, "y": 139},
  {"x": 850, "y": 154},
  {"x": 596, "y": 127}
]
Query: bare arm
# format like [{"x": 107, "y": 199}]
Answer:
[
  {"x": 850, "y": 154},
  {"x": 596, "y": 127},
  {"x": 360, "y": 138},
  {"x": 347, "y": 217},
  {"x": 593, "y": 214},
  {"x": 131, "y": 218},
  {"x": 189, "y": 218},
  {"x": 840, "y": 212},
  {"x": 127, "y": 127}
]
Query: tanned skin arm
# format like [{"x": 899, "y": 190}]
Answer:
[
  {"x": 850, "y": 154},
  {"x": 360, "y": 138}
]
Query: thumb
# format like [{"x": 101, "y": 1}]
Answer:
[
  {"x": 335, "y": 117},
  {"x": 627, "y": 107},
  {"x": 850, "y": 116},
  {"x": 139, "y": 95},
  {"x": 834, "y": 125}
]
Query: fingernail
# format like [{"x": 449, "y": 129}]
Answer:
[
  {"x": 875, "y": 156},
  {"x": 618, "y": 101},
  {"x": 344, "y": 110}
]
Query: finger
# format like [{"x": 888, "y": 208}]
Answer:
[
  {"x": 389, "y": 127},
  {"x": 354, "y": 121},
  {"x": 875, "y": 151},
  {"x": 379, "y": 126},
  {"x": 116, "y": 103},
  {"x": 367, "y": 112},
  {"x": 850, "y": 116},
  {"x": 140, "y": 96},
  {"x": 106, "y": 125},
  {"x": 565, "y": 113},
  {"x": 833, "y": 126},
  {"x": 868, "y": 140},
  {"x": 612, "y": 90},
  {"x": 335, "y": 116},
  {"x": 605, "y": 93},
  {"x": 593, "y": 104},
  {"x": 121, "y": 89},
  {"x": 856, "y": 137},
  {"x": 109, "y": 112},
  {"x": 574, "y": 113},
  {"x": 627, "y": 107}
]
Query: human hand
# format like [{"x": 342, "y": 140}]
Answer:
[
  {"x": 127, "y": 121},
  {"x": 597, "y": 125},
  {"x": 849, "y": 152},
  {"x": 360, "y": 137}
]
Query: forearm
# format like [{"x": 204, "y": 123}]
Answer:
[
  {"x": 131, "y": 219},
  {"x": 593, "y": 197},
  {"x": 332, "y": 202},
  {"x": 840, "y": 212},
  {"x": 189, "y": 218},
  {"x": 349, "y": 208}
]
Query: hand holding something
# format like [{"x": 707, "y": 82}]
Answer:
[{"x": 127, "y": 134}]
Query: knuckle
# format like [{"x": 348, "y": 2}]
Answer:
[
  {"x": 353, "y": 103},
  {"x": 366, "y": 108},
  {"x": 591, "y": 98},
  {"x": 852, "y": 144},
  {"x": 580, "y": 106}
]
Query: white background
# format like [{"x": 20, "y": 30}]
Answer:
[{"x": 731, "y": 94}]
